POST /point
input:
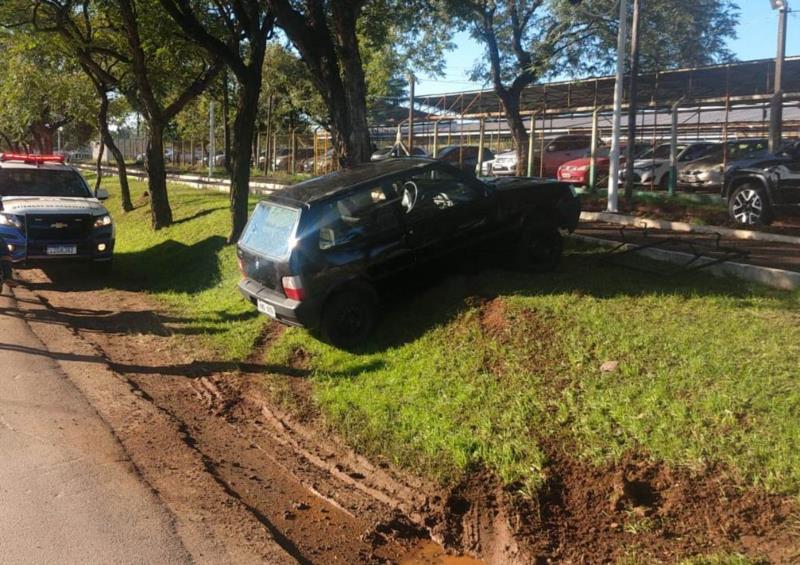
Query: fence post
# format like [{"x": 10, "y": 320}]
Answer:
[
  {"x": 593, "y": 155},
  {"x": 435, "y": 138},
  {"x": 531, "y": 144},
  {"x": 480, "y": 147}
]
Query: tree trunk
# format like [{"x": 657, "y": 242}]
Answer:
[
  {"x": 161, "y": 213},
  {"x": 244, "y": 127},
  {"x": 99, "y": 165},
  {"x": 108, "y": 140},
  {"x": 510, "y": 102},
  {"x": 226, "y": 125},
  {"x": 357, "y": 138}
]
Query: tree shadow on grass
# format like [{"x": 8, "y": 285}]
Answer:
[
  {"x": 169, "y": 266},
  {"x": 430, "y": 300}
]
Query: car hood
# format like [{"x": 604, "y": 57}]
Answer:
[
  {"x": 50, "y": 205},
  {"x": 757, "y": 162},
  {"x": 508, "y": 155},
  {"x": 707, "y": 163},
  {"x": 641, "y": 163},
  {"x": 586, "y": 162}
]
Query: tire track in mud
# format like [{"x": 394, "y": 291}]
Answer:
[{"x": 316, "y": 507}]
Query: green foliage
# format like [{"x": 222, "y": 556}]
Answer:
[{"x": 40, "y": 90}]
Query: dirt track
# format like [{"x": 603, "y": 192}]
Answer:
[
  {"x": 237, "y": 474},
  {"x": 249, "y": 484}
]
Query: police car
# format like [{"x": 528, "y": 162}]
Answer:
[{"x": 49, "y": 213}]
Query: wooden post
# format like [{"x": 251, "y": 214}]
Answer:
[
  {"x": 531, "y": 144},
  {"x": 593, "y": 155},
  {"x": 480, "y": 147}
]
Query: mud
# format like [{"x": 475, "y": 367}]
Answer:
[{"x": 295, "y": 482}]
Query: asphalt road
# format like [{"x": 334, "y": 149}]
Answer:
[{"x": 68, "y": 492}]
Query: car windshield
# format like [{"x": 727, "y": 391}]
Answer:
[
  {"x": 660, "y": 152},
  {"x": 270, "y": 230},
  {"x": 42, "y": 183}
]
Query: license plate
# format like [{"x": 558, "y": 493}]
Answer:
[
  {"x": 566, "y": 175},
  {"x": 265, "y": 308},
  {"x": 62, "y": 249}
]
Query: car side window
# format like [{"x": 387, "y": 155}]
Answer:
[
  {"x": 434, "y": 191},
  {"x": 356, "y": 215}
]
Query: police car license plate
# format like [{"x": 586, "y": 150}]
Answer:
[
  {"x": 62, "y": 249},
  {"x": 265, "y": 308}
]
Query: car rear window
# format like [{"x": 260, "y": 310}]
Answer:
[
  {"x": 270, "y": 230},
  {"x": 42, "y": 183}
]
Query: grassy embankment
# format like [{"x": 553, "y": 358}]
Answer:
[{"x": 709, "y": 370}]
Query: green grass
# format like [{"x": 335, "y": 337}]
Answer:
[
  {"x": 709, "y": 369},
  {"x": 187, "y": 266}
]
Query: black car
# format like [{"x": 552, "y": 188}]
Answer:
[
  {"x": 762, "y": 189},
  {"x": 318, "y": 254}
]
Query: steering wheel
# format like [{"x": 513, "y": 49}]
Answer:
[{"x": 410, "y": 195}]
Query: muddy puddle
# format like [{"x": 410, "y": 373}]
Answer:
[{"x": 431, "y": 553}]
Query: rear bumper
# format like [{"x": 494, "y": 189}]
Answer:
[
  {"x": 287, "y": 311},
  {"x": 570, "y": 211}
]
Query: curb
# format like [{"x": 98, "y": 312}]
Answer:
[
  {"x": 636, "y": 221},
  {"x": 195, "y": 181},
  {"x": 775, "y": 278}
]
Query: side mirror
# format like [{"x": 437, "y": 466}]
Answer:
[{"x": 101, "y": 194}]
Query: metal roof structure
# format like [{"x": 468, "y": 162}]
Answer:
[{"x": 734, "y": 83}]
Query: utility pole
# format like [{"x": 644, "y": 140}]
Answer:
[
  {"x": 632, "y": 103},
  {"x": 776, "y": 107},
  {"x": 613, "y": 172},
  {"x": 211, "y": 144},
  {"x": 410, "y": 114}
]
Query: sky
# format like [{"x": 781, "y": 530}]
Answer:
[{"x": 757, "y": 39}]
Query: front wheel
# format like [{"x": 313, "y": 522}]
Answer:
[
  {"x": 748, "y": 206},
  {"x": 348, "y": 318},
  {"x": 539, "y": 250}
]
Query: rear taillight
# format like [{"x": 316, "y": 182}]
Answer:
[{"x": 293, "y": 288}]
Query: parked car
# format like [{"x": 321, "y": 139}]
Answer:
[
  {"x": 557, "y": 151},
  {"x": 706, "y": 172},
  {"x": 577, "y": 170},
  {"x": 48, "y": 213},
  {"x": 141, "y": 158},
  {"x": 323, "y": 165},
  {"x": 765, "y": 189},
  {"x": 283, "y": 161},
  {"x": 464, "y": 157},
  {"x": 397, "y": 151},
  {"x": 319, "y": 254},
  {"x": 219, "y": 160},
  {"x": 653, "y": 167}
]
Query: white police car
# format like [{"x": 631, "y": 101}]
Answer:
[{"x": 49, "y": 213}]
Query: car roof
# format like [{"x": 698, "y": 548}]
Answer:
[
  {"x": 35, "y": 166},
  {"x": 342, "y": 181}
]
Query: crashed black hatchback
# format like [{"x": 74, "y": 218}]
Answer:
[{"x": 317, "y": 254}]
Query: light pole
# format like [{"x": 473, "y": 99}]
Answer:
[
  {"x": 776, "y": 106},
  {"x": 613, "y": 170}
]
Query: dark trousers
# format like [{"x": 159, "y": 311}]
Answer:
[{"x": 5, "y": 260}]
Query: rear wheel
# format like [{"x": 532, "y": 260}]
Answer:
[
  {"x": 348, "y": 318},
  {"x": 748, "y": 206},
  {"x": 539, "y": 250}
]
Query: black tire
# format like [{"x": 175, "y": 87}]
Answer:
[
  {"x": 349, "y": 317},
  {"x": 748, "y": 205},
  {"x": 539, "y": 250}
]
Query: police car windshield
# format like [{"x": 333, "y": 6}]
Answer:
[{"x": 42, "y": 183}]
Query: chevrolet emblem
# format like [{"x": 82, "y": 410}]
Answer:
[{"x": 59, "y": 226}]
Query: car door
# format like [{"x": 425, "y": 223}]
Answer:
[
  {"x": 365, "y": 229},
  {"x": 788, "y": 181},
  {"x": 445, "y": 211}
]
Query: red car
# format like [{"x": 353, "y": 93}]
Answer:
[{"x": 577, "y": 170}]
